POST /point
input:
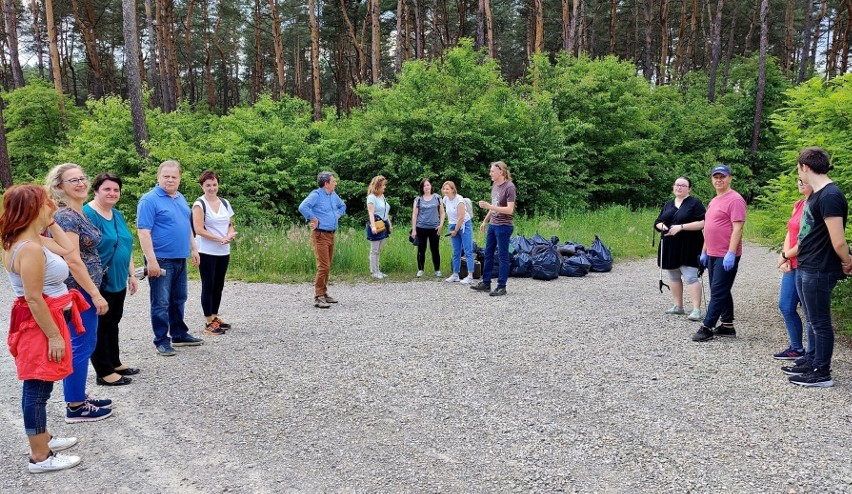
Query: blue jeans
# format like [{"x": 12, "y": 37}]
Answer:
[
  {"x": 463, "y": 241},
  {"x": 34, "y": 404},
  {"x": 721, "y": 301},
  {"x": 168, "y": 297},
  {"x": 82, "y": 346},
  {"x": 814, "y": 290},
  {"x": 497, "y": 238},
  {"x": 788, "y": 304}
]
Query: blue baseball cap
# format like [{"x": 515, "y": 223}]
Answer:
[{"x": 723, "y": 169}]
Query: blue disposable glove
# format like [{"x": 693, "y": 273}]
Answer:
[
  {"x": 703, "y": 259},
  {"x": 728, "y": 261}
]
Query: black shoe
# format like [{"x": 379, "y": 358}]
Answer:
[
  {"x": 481, "y": 287},
  {"x": 703, "y": 334},
  {"x": 803, "y": 360},
  {"x": 120, "y": 382},
  {"x": 815, "y": 378},
  {"x": 726, "y": 331},
  {"x": 499, "y": 291},
  {"x": 797, "y": 370},
  {"x": 187, "y": 340},
  {"x": 130, "y": 371}
]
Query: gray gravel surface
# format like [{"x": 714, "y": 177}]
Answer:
[{"x": 575, "y": 385}]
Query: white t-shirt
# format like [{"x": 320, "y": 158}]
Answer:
[
  {"x": 452, "y": 209},
  {"x": 216, "y": 223}
]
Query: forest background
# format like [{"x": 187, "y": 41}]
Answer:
[{"x": 591, "y": 102}]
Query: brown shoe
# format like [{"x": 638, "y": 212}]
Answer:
[
  {"x": 329, "y": 299},
  {"x": 321, "y": 303}
]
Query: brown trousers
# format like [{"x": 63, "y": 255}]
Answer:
[{"x": 323, "y": 243}]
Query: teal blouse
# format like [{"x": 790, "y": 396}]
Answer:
[{"x": 114, "y": 249}]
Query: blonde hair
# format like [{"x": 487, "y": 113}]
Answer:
[
  {"x": 503, "y": 168},
  {"x": 53, "y": 182},
  {"x": 451, "y": 185},
  {"x": 168, "y": 164},
  {"x": 375, "y": 184}
]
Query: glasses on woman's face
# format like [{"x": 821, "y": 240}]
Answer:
[
  {"x": 800, "y": 183},
  {"x": 76, "y": 180},
  {"x": 681, "y": 186}
]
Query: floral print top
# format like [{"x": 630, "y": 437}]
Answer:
[{"x": 72, "y": 221}]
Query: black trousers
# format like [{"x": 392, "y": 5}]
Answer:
[
  {"x": 430, "y": 234},
  {"x": 213, "y": 269},
  {"x": 106, "y": 357}
]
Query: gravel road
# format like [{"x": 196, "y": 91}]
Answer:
[{"x": 575, "y": 385}]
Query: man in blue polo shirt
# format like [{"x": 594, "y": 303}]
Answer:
[
  {"x": 163, "y": 221},
  {"x": 322, "y": 208}
]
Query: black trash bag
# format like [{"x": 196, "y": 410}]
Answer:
[
  {"x": 554, "y": 240},
  {"x": 539, "y": 240},
  {"x": 575, "y": 266},
  {"x": 546, "y": 262},
  {"x": 520, "y": 244},
  {"x": 600, "y": 256},
  {"x": 571, "y": 248},
  {"x": 522, "y": 265},
  {"x": 478, "y": 253}
]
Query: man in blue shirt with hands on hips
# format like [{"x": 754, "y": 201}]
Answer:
[{"x": 322, "y": 208}]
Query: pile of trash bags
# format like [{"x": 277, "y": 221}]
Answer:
[{"x": 546, "y": 259}]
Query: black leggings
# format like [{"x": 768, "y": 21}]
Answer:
[
  {"x": 106, "y": 357},
  {"x": 432, "y": 235},
  {"x": 213, "y": 269}
]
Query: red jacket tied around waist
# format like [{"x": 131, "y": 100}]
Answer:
[{"x": 28, "y": 343}]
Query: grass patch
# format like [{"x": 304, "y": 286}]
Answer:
[{"x": 268, "y": 253}]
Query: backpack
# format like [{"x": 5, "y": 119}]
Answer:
[
  {"x": 204, "y": 211},
  {"x": 469, "y": 206}
]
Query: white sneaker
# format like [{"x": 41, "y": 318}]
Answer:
[
  {"x": 438, "y": 274},
  {"x": 60, "y": 443},
  {"x": 377, "y": 276},
  {"x": 53, "y": 463},
  {"x": 382, "y": 275},
  {"x": 453, "y": 278},
  {"x": 467, "y": 280},
  {"x": 420, "y": 274}
]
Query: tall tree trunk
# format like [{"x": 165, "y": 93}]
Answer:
[
  {"x": 209, "y": 85},
  {"x": 681, "y": 42},
  {"x": 755, "y": 24},
  {"x": 648, "y": 20},
  {"x": 174, "y": 80},
  {"x": 89, "y": 34},
  {"x": 54, "y": 61},
  {"x": 419, "y": 41},
  {"x": 462, "y": 10},
  {"x": 187, "y": 43},
  {"x": 613, "y": 24},
  {"x": 134, "y": 78},
  {"x": 315, "y": 69},
  {"x": 400, "y": 34},
  {"x": 436, "y": 30},
  {"x": 5, "y": 165},
  {"x": 223, "y": 64},
  {"x": 662, "y": 70},
  {"x": 844, "y": 53},
  {"x": 729, "y": 54},
  {"x": 153, "y": 68},
  {"x": 356, "y": 44},
  {"x": 10, "y": 15},
  {"x": 278, "y": 45},
  {"x": 582, "y": 28},
  {"x": 566, "y": 21},
  {"x": 835, "y": 26},
  {"x": 788, "y": 37},
  {"x": 806, "y": 41},
  {"x": 761, "y": 80},
  {"x": 538, "y": 29},
  {"x": 572, "y": 29},
  {"x": 37, "y": 34},
  {"x": 257, "y": 76},
  {"x": 489, "y": 26},
  {"x": 716, "y": 48},
  {"x": 298, "y": 71},
  {"x": 691, "y": 48},
  {"x": 376, "y": 59},
  {"x": 817, "y": 30}
]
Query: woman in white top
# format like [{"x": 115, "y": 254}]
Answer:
[
  {"x": 377, "y": 205},
  {"x": 461, "y": 231},
  {"x": 214, "y": 230}
]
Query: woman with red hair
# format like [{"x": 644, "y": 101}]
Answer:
[{"x": 39, "y": 338}]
